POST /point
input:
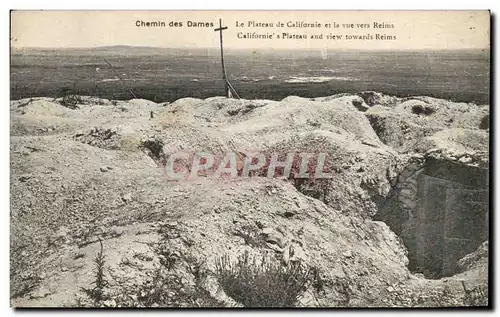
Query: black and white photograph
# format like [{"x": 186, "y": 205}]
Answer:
[{"x": 250, "y": 159}]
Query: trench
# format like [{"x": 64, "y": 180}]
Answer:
[
  {"x": 440, "y": 209},
  {"x": 154, "y": 149}
]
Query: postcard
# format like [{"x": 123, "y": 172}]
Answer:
[{"x": 242, "y": 159}]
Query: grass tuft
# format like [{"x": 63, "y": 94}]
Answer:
[
  {"x": 263, "y": 282},
  {"x": 96, "y": 294}
]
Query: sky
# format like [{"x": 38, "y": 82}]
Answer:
[{"x": 411, "y": 30}]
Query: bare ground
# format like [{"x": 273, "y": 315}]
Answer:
[{"x": 87, "y": 172}]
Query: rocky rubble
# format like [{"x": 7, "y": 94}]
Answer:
[{"x": 96, "y": 171}]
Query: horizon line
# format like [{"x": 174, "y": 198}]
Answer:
[{"x": 243, "y": 48}]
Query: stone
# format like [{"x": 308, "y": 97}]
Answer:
[
  {"x": 109, "y": 303},
  {"x": 274, "y": 247},
  {"x": 267, "y": 231},
  {"x": 259, "y": 224},
  {"x": 297, "y": 254},
  {"x": 127, "y": 197},
  {"x": 24, "y": 178},
  {"x": 465, "y": 159}
]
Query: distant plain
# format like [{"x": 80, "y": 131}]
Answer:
[{"x": 165, "y": 75}]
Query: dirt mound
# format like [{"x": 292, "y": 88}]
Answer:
[
  {"x": 412, "y": 124},
  {"x": 361, "y": 172},
  {"x": 356, "y": 101},
  {"x": 443, "y": 113},
  {"x": 44, "y": 125},
  {"x": 44, "y": 108},
  {"x": 373, "y": 98},
  {"x": 416, "y": 107},
  {"x": 466, "y": 158},
  {"x": 401, "y": 132},
  {"x": 216, "y": 109},
  {"x": 476, "y": 259},
  {"x": 188, "y": 139},
  {"x": 265, "y": 125},
  {"x": 457, "y": 140},
  {"x": 18, "y": 104},
  {"x": 46, "y": 116}
]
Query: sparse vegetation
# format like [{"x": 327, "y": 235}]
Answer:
[
  {"x": 167, "y": 289},
  {"x": 422, "y": 109},
  {"x": 70, "y": 98},
  {"x": 97, "y": 293},
  {"x": 71, "y": 101},
  {"x": 263, "y": 282},
  {"x": 164, "y": 289},
  {"x": 166, "y": 286},
  {"x": 316, "y": 188},
  {"x": 154, "y": 149}
]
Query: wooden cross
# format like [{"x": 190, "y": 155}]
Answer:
[{"x": 220, "y": 29}]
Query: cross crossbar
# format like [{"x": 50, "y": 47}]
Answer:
[{"x": 230, "y": 91}]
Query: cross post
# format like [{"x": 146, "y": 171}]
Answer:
[{"x": 220, "y": 29}]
